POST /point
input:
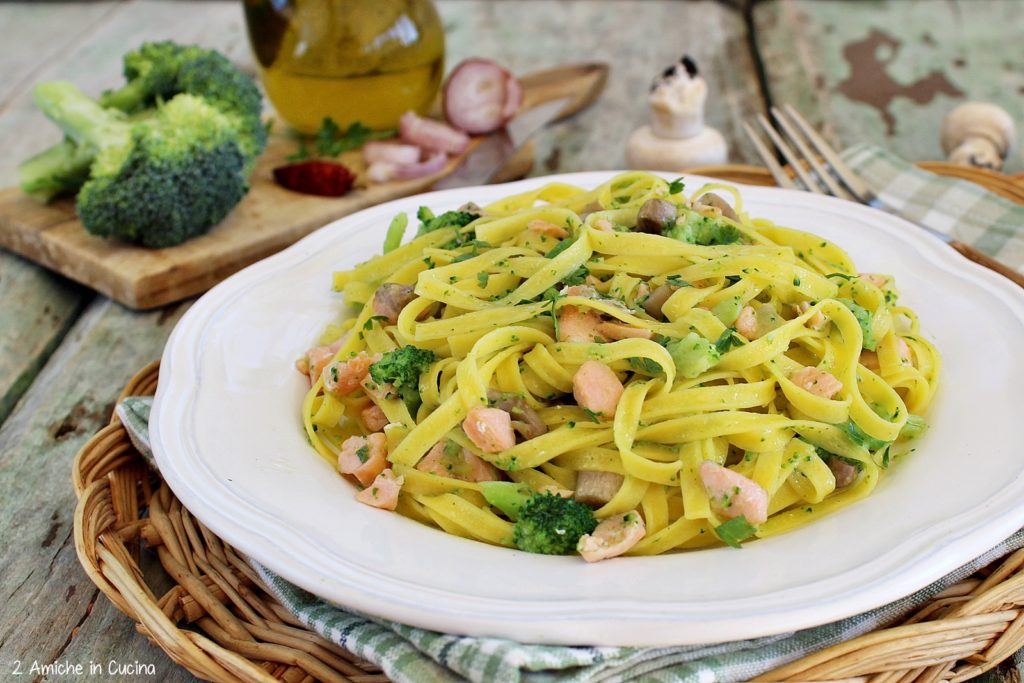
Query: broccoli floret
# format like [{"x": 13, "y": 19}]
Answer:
[
  {"x": 402, "y": 368},
  {"x": 696, "y": 228},
  {"x": 449, "y": 219},
  {"x": 551, "y": 525},
  {"x": 158, "y": 74},
  {"x": 863, "y": 316},
  {"x": 159, "y": 181},
  {"x": 162, "y": 70},
  {"x": 693, "y": 355}
]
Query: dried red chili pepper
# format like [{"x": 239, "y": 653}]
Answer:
[{"x": 323, "y": 178}]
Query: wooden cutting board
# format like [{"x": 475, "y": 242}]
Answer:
[{"x": 268, "y": 219}]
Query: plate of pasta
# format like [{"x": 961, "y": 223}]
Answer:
[{"x": 603, "y": 409}]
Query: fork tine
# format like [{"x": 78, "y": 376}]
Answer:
[
  {"x": 782, "y": 179},
  {"x": 823, "y": 175},
  {"x": 789, "y": 155},
  {"x": 852, "y": 181}
]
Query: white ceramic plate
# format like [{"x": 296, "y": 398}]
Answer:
[{"x": 228, "y": 439}]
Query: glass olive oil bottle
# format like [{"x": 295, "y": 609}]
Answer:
[{"x": 353, "y": 60}]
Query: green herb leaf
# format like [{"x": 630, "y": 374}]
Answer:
[
  {"x": 301, "y": 154},
  {"x": 645, "y": 365},
  {"x": 734, "y": 531},
  {"x": 861, "y": 438},
  {"x": 596, "y": 417},
  {"x": 729, "y": 339},
  {"x": 368, "y": 325},
  {"x": 560, "y": 247},
  {"x": 482, "y": 278},
  {"x": 363, "y": 453},
  {"x": 676, "y": 186},
  {"x": 331, "y": 140}
]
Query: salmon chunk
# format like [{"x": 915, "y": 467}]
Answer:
[
  {"x": 596, "y": 388},
  {"x": 490, "y": 429},
  {"x": 448, "y": 459},
  {"x": 612, "y": 537},
  {"x": 732, "y": 494},
  {"x": 364, "y": 457},
  {"x": 341, "y": 378},
  {"x": 374, "y": 418},
  {"x": 383, "y": 491},
  {"x": 817, "y": 382}
]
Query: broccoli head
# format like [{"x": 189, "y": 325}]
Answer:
[
  {"x": 162, "y": 70},
  {"x": 157, "y": 181},
  {"x": 132, "y": 129},
  {"x": 696, "y": 228},
  {"x": 551, "y": 525},
  {"x": 402, "y": 369}
]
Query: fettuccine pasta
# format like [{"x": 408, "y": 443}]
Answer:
[{"x": 690, "y": 374}]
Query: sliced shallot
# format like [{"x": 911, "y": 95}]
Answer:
[
  {"x": 390, "y": 153},
  {"x": 431, "y": 134},
  {"x": 481, "y": 96},
  {"x": 434, "y": 163}
]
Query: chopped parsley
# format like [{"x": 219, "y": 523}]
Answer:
[
  {"x": 331, "y": 140},
  {"x": 676, "y": 186},
  {"x": 363, "y": 453},
  {"x": 595, "y": 416},
  {"x": 482, "y": 278},
  {"x": 560, "y": 247},
  {"x": 729, "y": 339}
]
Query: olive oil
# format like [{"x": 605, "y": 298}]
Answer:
[{"x": 352, "y": 60}]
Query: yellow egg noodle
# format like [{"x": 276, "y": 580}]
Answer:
[{"x": 766, "y": 354}]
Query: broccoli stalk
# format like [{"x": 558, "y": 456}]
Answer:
[
  {"x": 59, "y": 170},
  {"x": 693, "y": 355},
  {"x": 157, "y": 181},
  {"x": 545, "y": 523}
]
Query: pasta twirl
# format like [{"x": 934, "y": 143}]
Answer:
[{"x": 692, "y": 374}]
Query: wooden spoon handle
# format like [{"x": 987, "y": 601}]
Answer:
[
  {"x": 582, "y": 82},
  {"x": 987, "y": 261}
]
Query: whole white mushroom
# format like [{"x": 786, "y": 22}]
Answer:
[
  {"x": 676, "y": 137},
  {"x": 978, "y": 134}
]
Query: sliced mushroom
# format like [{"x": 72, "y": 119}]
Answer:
[
  {"x": 657, "y": 299},
  {"x": 390, "y": 298},
  {"x": 595, "y": 488},
  {"x": 714, "y": 201},
  {"x": 656, "y": 216},
  {"x": 525, "y": 420},
  {"x": 471, "y": 207},
  {"x": 844, "y": 472}
]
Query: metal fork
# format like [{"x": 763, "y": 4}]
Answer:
[{"x": 819, "y": 169}]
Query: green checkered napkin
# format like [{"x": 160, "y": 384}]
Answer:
[{"x": 416, "y": 655}]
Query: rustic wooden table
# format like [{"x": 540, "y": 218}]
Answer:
[{"x": 885, "y": 72}]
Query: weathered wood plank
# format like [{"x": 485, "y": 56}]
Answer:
[
  {"x": 639, "y": 38},
  {"x": 889, "y": 72},
  {"x": 45, "y": 593},
  {"x": 36, "y": 309}
]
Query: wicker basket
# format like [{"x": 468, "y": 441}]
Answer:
[{"x": 219, "y": 622}]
